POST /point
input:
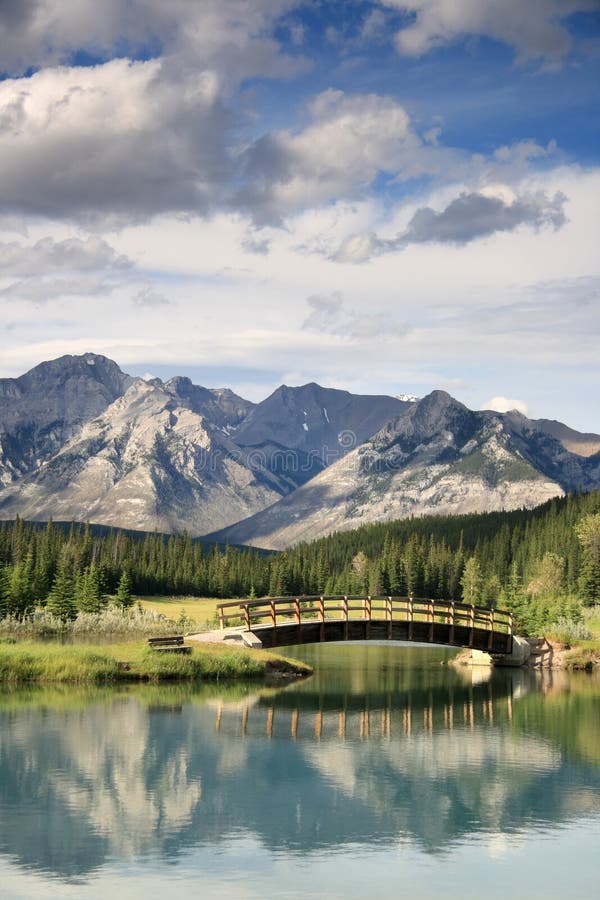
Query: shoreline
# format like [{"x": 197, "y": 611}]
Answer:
[
  {"x": 35, "y": 662},
  {"x": 545, "y": 654}
]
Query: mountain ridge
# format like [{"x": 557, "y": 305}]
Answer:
[{"x": 81, "y": 439}]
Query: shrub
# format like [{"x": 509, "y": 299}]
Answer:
[{"x": 569, "y": 630}]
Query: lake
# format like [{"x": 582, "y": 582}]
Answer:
[{"x": 387, "y": 773}]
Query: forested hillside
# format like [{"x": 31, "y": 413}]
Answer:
[{"x": 543, "y": 563}]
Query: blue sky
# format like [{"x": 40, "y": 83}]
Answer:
[{"x": 381, "y": 196}]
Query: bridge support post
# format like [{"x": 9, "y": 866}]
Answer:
[
  {"x": 321, "y": 615},
  {"x": 471, "y": 625},
  {"x": 345, "y": 616},
  {"x": 388, "y": 616},
  {"x": 491, "y": 637},
  {"x": 367, "y": 616},
  {"x": 431, "y": 617},
  {"x": 410, "y": 618},
  {"x": 451, "y": 635}
]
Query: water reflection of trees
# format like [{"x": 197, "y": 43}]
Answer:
[{"x": 430, "y": 760}]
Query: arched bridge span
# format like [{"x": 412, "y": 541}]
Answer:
[{"x": 286, "y": 621}]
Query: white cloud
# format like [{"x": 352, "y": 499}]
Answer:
[
  {"x": 150, "y": 298},
  {"x": 535, "y": 29},
  {"x": 231, "y": 36},
  {"x": 48, "y": 255},
  {"x": 43, "y": 290},
  {"x": 117, "y": 138},
  {"x": 503, "y": 404},
  {"x": 351, "y": 140},
  {"x": 466, "y": 218}
]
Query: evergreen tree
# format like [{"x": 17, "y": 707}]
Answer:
[
  {"x": 588, "y": 532},
  {"x": 89, "y": 596},
  {"x": 124, "y": 597},
  {"x": 61, "y": 599},
  {"x": 472, "y": 582},
  {"x": 4, "y": 591}
]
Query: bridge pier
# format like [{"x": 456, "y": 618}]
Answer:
[{"x": 519, "y": 655}]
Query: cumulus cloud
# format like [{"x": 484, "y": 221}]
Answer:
[
  {"x": 49, "y": 269},
  {"x": 48, "y": 255},
  {"x": 504, "y": 404},
  {"x": 466, "y": 218},
  {"x": 329, "y": 315},
  {"x": 230, "y": 36},
  {"x": 474, "y": 215},
  {"x": 351, "y": 140},
  {"x": 119, "y": 137},
  {"x": 535, "y": 29}
]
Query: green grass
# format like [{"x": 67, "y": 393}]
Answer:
[
  {"x": 30, "y": 662},
  {"x": 585, "y": 655},
  {"x": 201, "y": 610},
  {"x": 591, "y": 618}
]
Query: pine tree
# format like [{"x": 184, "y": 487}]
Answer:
[
  {"x": 124, "y": 597},
  {"x": 61, "y": 599},
  {"x": 5, "y": 573},
  {"x": 588, "y": 532},
  {"x": 472, "y": 582},
  {"x": 89, "y": 596}
]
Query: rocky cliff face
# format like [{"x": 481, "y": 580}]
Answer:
[
  {"x": 44, "y": 408},
  {"x": 147, "y": 462},
  {"x": 81, "y": 439},
  {"x": 299, "y": 431},
  {"x": 437, "y": 457}
]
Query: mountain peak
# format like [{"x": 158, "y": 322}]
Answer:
[{"x": 80, "y": 438}]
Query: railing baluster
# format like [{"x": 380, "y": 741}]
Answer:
[
  {"x": 321, "y": 615},
  {"x": 491, "y": 634}
]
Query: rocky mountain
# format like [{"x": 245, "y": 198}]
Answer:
[
  {"x": 149, "y": 461},
  {"x": 436, "y": 457},
  {"x": 299, "y": 431},
  {"x": 43, "y": 409},
  {"x": 574, "y": 441},
  {"x": 81, "y": 439}
]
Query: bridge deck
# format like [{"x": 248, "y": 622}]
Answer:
[{"x": 285, "y": 621}]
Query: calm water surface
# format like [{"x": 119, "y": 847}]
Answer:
[{"x": 386, "y": 774}]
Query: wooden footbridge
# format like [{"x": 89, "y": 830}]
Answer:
[{"x": 286, "y": 621}]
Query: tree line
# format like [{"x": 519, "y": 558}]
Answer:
[{"x": 541, "y": 563}]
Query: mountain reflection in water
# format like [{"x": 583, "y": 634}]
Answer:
[{"x": 401, "y": 752}]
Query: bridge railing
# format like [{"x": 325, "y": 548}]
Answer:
[{"x": 274, "y": 611}]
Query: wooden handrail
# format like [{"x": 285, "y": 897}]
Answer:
[{"x": 323, "y": 608}]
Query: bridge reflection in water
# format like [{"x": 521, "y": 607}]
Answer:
[{"x": 401, "y": 716}]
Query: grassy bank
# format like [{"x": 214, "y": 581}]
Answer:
[{"x": 31, "y": 662}]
